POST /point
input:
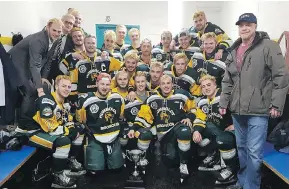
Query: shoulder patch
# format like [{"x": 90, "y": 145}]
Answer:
[
  {"x": 82, "y": 69},
  {"x": 94, "y": 108},
  {"x": 47, "y": 111},
  {"x": 218, "y": 31},
  {"x": 134, "y": 111},
  {"x": 47, "y": 101}
]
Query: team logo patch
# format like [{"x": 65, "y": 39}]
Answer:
[
  {"x": 134, "y": 111},
  {"x": 47, "y": 111},
  {"x": 82, "y": 69},
  {"x": 58, "y": 115},
  {"x": 217, "y": 31},
  {"x": 108, "y": 116},
  {"x": 94, "y": 108},
  {"x": 154, "y": 105},
  {"x": 205, "y": 109},
  {"x": 47, "y": 101},
  {"x": 159, "y": 57},
  {"x": 165, "y": 117},
  {"x": 195, "y": 62}
]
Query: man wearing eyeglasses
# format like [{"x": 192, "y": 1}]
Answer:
[{"x": 64, "y": 45}]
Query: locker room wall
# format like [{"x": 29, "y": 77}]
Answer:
[
  {"x": 272, "y": 16},
  {"x": 151, "y": 16}
]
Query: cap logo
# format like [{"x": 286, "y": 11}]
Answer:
[{"x": 244, "y": 16}]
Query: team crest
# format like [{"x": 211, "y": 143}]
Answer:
[
  {"x": 108, "y": 116},
  {"x": 159, "y": 57},
  {"x": 217, "y": 31},
  {"x": 154, "y": 105},
  {"x": 165, "y": 117},
  {"x": 205, "y": 109},
  {"x": 195, "y": 62},
  {"x": 47, "y": 111},
  {"x": 134, "y": 111},
  {"x": 58, "y": 115},
  {"x": 94, "y": 108},
  {"x": 82, "y": 69}
]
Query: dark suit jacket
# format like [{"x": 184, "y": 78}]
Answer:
[
  {"x": 12, "y": 83},
  {"x": 32, "y": 59}
]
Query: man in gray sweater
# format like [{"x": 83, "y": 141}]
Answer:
[{"x": 254, "y": 88}]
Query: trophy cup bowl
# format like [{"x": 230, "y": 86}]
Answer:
[{"x": 135, "y": 181}]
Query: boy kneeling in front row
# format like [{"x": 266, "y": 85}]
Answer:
[
  {"x": 51, "y": 127},
  {"x": 214, "y": 133}
]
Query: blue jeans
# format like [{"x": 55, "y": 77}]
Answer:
[{"x": 251, "y": 133}]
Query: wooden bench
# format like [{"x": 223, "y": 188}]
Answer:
[
  {"x": 11, "y": 161},
  {"x": 276, "y": 161}
]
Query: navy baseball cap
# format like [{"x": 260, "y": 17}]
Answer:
[{"x": 247, "y": 17}]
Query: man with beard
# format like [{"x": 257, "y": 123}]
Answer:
[
  {"x": 85, "y": 71},
  {"x": 162, "y": 52},
  {"x": 32, "y": 58},
  {"x": 205, "y": 63},
  {"x": 134, "y": 35},
  {"x": 68, "y": 65},
  {"x": 64, "y": 45},
  {"x": 145, "y": 56},
  {"x": 130, "y": 111},
  {"x": 101, "y": 112},
  {"x": 120, "y": 37},
  {"x": 201, "y": 26},
  {"x": 121, "y": 88},
  {"x": 109, "y": 44},
  {"x": 154, "y": 76},
  {"x": 51, "y": 127},
  {"x": 215, "y": 134},
  {"x": 184, "y": 77},
  {"x": 130, "y": 66},
  {"x": 146, "y": 52},
  {"x": 170, "y": 111}
]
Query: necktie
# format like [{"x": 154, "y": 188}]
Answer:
[{"x": 58, "y": 51}]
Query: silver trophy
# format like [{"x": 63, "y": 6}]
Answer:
[
  {"x": 135, "y": 155},
  {"x": 135, "y": 180}
]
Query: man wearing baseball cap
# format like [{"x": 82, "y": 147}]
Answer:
[{"x": 254, "y": 88}]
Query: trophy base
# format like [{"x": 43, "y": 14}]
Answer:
[{"x": 134, "y": 183}]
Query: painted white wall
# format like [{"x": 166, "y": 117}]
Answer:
[
  {"x": 272, "y": 16},
  {"x": 15, "y": 18},
  {"x": 151, "y": 16},
  {"x": 212, "y": 9}
]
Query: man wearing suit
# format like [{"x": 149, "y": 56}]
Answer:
[
  {"x": 32, "y": 59},
  {"x": 64, "y": 46}
]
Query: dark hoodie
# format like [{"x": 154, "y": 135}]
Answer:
[{"x": 262, "y": 82}]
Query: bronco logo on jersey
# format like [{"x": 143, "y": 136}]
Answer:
[
  {"x": 165, "y": 117},
  {"x": 108, "y": 116}
]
